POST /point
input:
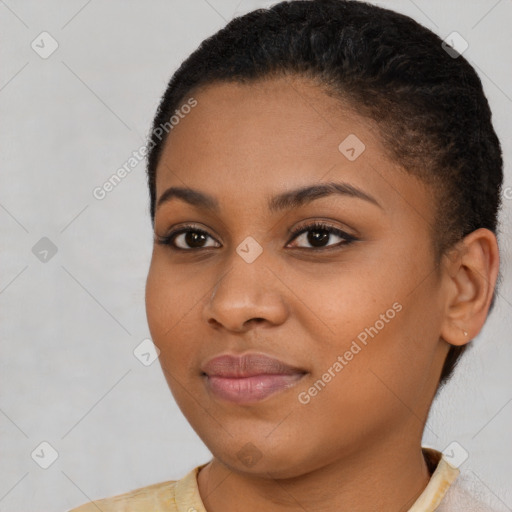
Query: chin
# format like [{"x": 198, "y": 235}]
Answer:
[{"x": 258, "y": 456}]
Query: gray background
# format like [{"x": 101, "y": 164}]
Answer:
[{"x": 69, "y": 326}]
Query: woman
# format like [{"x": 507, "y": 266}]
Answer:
[{"x": 325, "y": 186}]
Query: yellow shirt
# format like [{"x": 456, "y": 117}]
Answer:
[{"x": 183, "y": 495}]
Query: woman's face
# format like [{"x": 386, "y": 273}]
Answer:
[{"x": 352, "y": 316}]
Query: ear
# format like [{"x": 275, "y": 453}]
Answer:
[{"x": 471, "y": 273}]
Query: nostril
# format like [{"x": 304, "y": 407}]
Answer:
[{"x": 256, "y": 320}]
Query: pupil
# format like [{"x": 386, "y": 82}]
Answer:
[
  {"x": 317, "y": 237},
  {"x": 192, "y": 238}
]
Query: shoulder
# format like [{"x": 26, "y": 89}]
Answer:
[
  {"x": 460, "y": 498},
  {"x": 156, "y": 497}
]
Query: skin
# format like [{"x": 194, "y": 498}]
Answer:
[{"x": 357, "y": 444}]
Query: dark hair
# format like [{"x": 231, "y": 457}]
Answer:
[{"x": 429, "y": 104}]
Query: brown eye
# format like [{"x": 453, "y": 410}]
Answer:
[
  {"x": 187, "y": 238},
  {"x": 318, "y": 235}
]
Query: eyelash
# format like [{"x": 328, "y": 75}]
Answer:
[{"x": 315, "y": 226}]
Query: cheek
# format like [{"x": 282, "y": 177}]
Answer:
[
  {"x": 169, "y": 315},
  {"x": 387, "y": 368},
  {"x": 171, "y": 324},
  {"x": 365, "y": 388},
  {"x": 170, "y": 300},
  {"x": 157, "y": 312},
  {"x": 376, "y": 341}
]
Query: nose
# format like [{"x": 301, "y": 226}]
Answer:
[{"x": 246, "y": 294}]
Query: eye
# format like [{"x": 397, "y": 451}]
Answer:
[
  {"x": 186, "y": 238},
  {"x": 319, "y": 234}
]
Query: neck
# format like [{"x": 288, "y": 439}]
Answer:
[{"x": 388, "y": 478}]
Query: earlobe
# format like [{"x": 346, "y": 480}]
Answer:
[{"x": 471, "y": 280}]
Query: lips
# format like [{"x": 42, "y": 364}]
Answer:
[
  {"x": 249, "y": 378},
  {"x": 247, "y": 365}
]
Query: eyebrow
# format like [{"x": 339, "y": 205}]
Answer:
[{"x": 287, "y": 200}]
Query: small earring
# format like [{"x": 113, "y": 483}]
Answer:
[{"x": 465, "y": 333}]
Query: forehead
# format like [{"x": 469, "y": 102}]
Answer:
[
  {"x": 286, "y": 118},
  {"x": 249, "y": 141}
]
